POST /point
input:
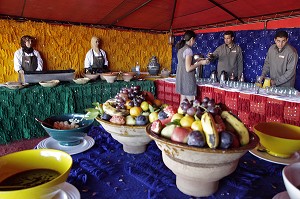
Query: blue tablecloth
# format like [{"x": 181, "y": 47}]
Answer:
[{"x": 106, "y": 171}]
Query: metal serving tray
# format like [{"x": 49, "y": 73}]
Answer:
[{"x": 37, "y": 76}]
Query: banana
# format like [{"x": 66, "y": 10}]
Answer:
[
  {"x": 238, "y": 126},
  {"x": 110, "y": 110},
  {"x": 210, "y": 130}
]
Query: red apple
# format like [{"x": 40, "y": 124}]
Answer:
[
  {"x": 166, "y": 121},
  {"x": 180, "y": 134}
]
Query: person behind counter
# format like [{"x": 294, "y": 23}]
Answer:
[
  {"x": 26, "y": 58},
  {"x": 95, "y": 59},
  {"x": 281, "y": 62},
  {"x": 185, "y": 74},
  {"x": 229, "y": 55}
]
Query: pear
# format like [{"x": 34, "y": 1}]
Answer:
[{"x": 130, "y": 120}]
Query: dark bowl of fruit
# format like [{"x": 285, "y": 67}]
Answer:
[
  {"x": 67, "y": 129},
  {"x": 126, "y": 115},
  {"x": 201, "y": 146}
]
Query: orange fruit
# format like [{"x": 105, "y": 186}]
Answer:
[
  {"x": 187, "y": 121},
  {"x": 157, "y": 102},
  {"x": 135, "y": 111},
  {"x": 127, "y": 105}
]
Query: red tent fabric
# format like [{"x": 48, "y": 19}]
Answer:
[{"x": 151, "y": 15}]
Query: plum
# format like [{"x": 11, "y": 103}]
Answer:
[
  {"x": 141, "y": 120},
  {"x": 162, "y": 115},
  {"x": 105, "y": 117},
  {"x": 196, "y": 138},
  {"x": 226, "y": 139}
]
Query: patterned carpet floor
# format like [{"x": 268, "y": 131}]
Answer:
[{"x": 19, "y": 145}]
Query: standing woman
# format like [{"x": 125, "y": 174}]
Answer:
[
  {"x": 26, "y": 58},
  {"x": 186, "y": 84},
  {"x": 95, "y": 59}
]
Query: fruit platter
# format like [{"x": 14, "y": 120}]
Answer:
[
  {"x": 126, "y": 115},
  {"x": 201, "y": 144}
]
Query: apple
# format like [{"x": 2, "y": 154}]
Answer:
[
  {"x": 180, "y": 134},
  {"x": 166, "y": 121},
  {"x": 168, "y": 130},
  {"x": 156, "y": 126}
]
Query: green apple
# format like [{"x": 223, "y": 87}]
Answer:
[{"x": 168, "y": 130}]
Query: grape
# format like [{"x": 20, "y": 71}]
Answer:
[
  {"x": 139, "y": 100},
  {"x": 205, "y": 100},
  {"x": 131, "y": 103},
  {"x": 138, "y": 88},
  {"x": 204, "y": 104},
  {"x": 191, "y": 111},
  {"x": 199, "y": 112},
  {"x": 185, "y": 107},
  {"x": 185, "y": 101},
  {"x": 118, "y": 107},
  {"x": 122, "y": 106},
  {"x": 211, "y": 103},
  {"x": 135, "y": 103},
  {"x": 196, "y": 103},
  {"x": 212, "y": 110}
]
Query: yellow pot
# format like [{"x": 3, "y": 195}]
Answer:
[
  {"x": 279, "y": 139},
  {"x": 18, "y": 162}
]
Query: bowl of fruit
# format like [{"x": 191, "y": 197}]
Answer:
[
  {"x": 67, "y": 129},
  {"x": 201, "y": 145},
  {"x": 125, "y": 117}
]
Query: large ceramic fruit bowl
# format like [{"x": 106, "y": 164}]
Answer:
[
  {"x": 133, "y": 138},
  {"x": 33, "y": 173},
  {"x": 68, "y": 136},
  {"x": 198, "y": 170}
]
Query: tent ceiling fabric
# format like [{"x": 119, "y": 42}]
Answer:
[{"x": 150, "y": 15}]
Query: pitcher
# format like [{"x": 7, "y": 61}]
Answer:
[{"x": 267, "y": 82}]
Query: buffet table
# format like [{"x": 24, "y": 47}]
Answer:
[
  {"x": 106, "y": 171},
  {"x": 19, "y": 107},
  {"x": 250, "y": 107}
]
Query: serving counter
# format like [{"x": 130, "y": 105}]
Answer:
[
  {"x": 19, "y": 107},
  {"x": 250, "y": 107}
]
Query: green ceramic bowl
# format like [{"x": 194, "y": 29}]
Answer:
[{"x": 68, "y": 137}]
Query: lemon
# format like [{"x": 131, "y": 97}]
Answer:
[
  {"x": 197, "y": 126},
  {"x": 187, "y": 121},
  {"x": 176, "y": 116},
  {"x": 145, "y": 106}
]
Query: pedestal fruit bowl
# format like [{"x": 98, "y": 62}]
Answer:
[
  {"x": 125, "y": 117},
  {"x": 133, "y": 138},
  {"x": 200, "y": 155}
]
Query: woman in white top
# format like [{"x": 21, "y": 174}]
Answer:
[
  {"x": 26, "y": 58},
  {"x": 95, "y": 59}
]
